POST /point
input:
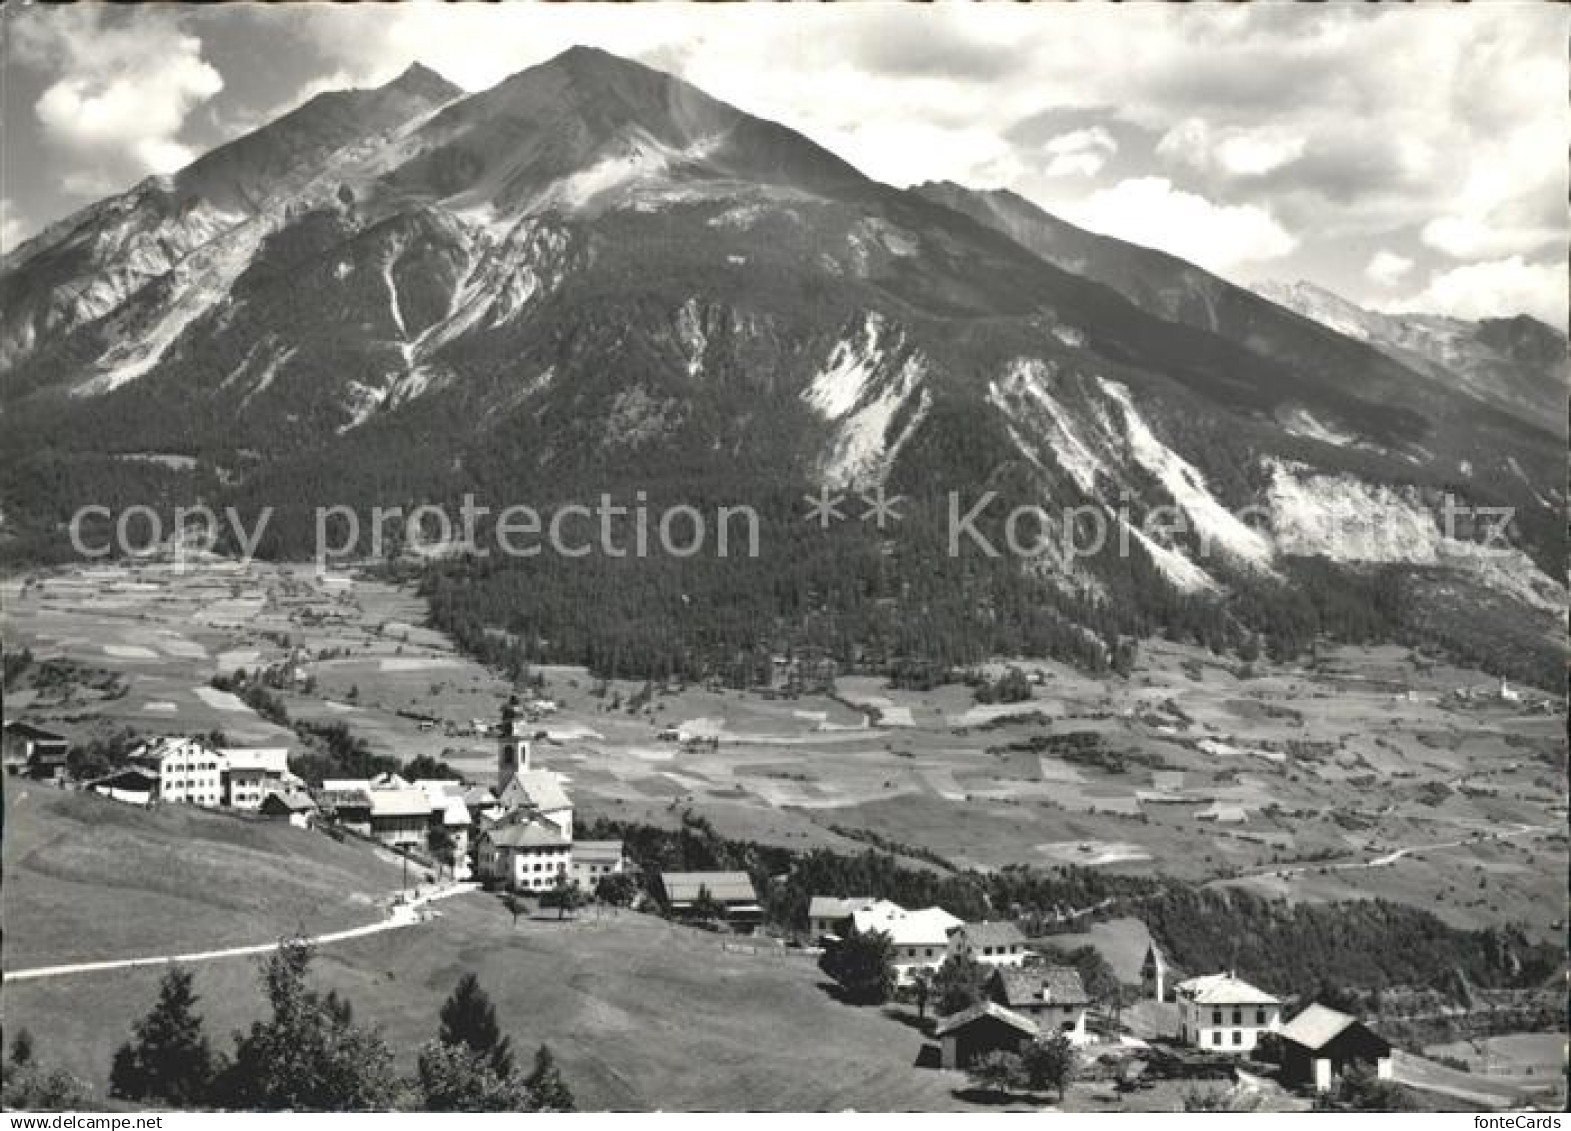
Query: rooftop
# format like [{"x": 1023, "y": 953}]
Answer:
[
  {"x": 346, "y": 798},
  {"x": 270, "y": 759},
  {"x": 1041, "y": 985},
  {"x": 986, "y": 1009},
  {"x": 539, "y": 788},
  {"x": 1223, "y": 989},
  {"x": 837, "y": 907},
  {"x": 527, "y": 834},
  {"x": 991, "y": 934},
  {"x": 299, "y": 802},
  {"x": 727, "y": 887},
  {"x": 400, "y": 803},
  {"x": 929, "y": 926},
  {"x": 1317, "y": 1026}
]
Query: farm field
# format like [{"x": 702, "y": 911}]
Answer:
[
  {"x": 1510, "y": 1055},
  {"x": 1361, "y": 774}
]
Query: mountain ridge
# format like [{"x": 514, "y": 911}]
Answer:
[{"x": 595, "y": 276}]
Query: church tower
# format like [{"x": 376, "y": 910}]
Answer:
[
  {"x": 512, "y": 756},
  {"x": 1153, "y": 974}
]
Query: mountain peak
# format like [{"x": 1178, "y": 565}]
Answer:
[{"x": 420, "y": 80}]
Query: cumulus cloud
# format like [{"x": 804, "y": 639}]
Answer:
[
  {"x": 13, "y": 229},
  {"x": 1479, "y": 236},
  {"x": 1496, "y": 289},
  {"x": 1435, "y": 133},
  {"x": 120, "y": 94},
  {"x": 1152, "y": 212},
  {"x": 1235, "y": 151},
  {"x": 1388, "y": 268},
  {"x": 1081, "y": 153}
]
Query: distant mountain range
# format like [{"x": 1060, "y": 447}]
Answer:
[{"x": 595, "y": 277}]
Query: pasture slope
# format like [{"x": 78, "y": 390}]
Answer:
[
  {"x": 641, "y": 1014},
  {"x": 89, "y": 879}
]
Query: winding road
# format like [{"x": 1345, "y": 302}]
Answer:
[{"x": 402, "y": 915}]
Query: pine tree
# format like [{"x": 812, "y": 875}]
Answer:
[
  {"x": 169, "y": 1059},
  {"x": 26, "y": 1085},
  {"x": 547, "y": 1090},
  {"x": 863, "y": 963},
  {"x": 566, "y": 894},
  {"x": 1048, "y": 1063},
  {"x": 309, "y": 1055},
  {"x": 453, "y": 1077},
  {"x": 469, "y": 1019},
  {"x": 705, "y": 907},
  {"x": 957, "y": 985}
]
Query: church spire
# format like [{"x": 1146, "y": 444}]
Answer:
[{"x": 512, "y": 756}]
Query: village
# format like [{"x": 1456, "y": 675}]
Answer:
[{"x": 991, "y": 1004}]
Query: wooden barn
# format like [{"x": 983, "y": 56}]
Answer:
[
  {"x": 986, "y": 1027},
  {"x": 1320, "y": 1043}
]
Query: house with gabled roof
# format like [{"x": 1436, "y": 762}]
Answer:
[
  {"x": 827, "y": 915},
  {"x": 1224, "y": 1013},
  {"x": 133, "y": 785},
  {"x": 188, "y": 770},
  {"x": 733, "y": 890},
  {"x": 1322, "y": 1043},
  {"x": 252, "y": 772},
  {"x": 920, "y": 938},
  {"x": 986, "y": 1027},
  {"x": 594, "y": 860},
  {"x": 1052, "y": 996},
  {"x": 290, "y": 805},
  {"x": 400, "y": 817},
  {"x": 527, "y": 854},
  {"x": 34, "y": 751},
  {"x": 990, "y": 943}
]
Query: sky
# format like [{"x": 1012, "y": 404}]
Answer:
[{"x": 1406, "y": 157}]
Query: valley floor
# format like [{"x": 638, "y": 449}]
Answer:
[{"x": 1367, "y": 772}]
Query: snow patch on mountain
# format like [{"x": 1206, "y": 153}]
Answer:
[
  {"x": 392, "y": 297},
  {"x": 1183, "y": 574},
  {"x": 690, "y": 328},
  {"x": 1216, "y": 526},
  {"x": 852, "y": 366},
  {"x": 200, "y": 281},
  {"x": 634, "y": 162},
  {"x": 740, "y": 218},
  {"x": 361, "y": 401},
  {"x": 259, "y": 367},
  {"x": 863, "y": 449},
  {"x": 1346, "y": 519},
  {"x": 864, "y": 387},
  {"x": 1301, "y": 422},
  {"x": 1025, "y": 392}
]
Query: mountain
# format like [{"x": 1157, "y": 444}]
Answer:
[
  {"x": 1330, "y": 338},
  {"x": 186, "y": 233},
  {"x": 595, "y": 279},
  {"x": 1515, "y": 364}
]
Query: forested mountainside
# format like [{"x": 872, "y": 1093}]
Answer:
[{"x": 595, "y": 279}]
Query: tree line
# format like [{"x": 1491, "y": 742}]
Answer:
[
  {"x": 1297, "y": 948},
  {"x": 308, "y": 1054}
]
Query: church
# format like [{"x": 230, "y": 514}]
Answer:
[{"x": 528, "y": 846}]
